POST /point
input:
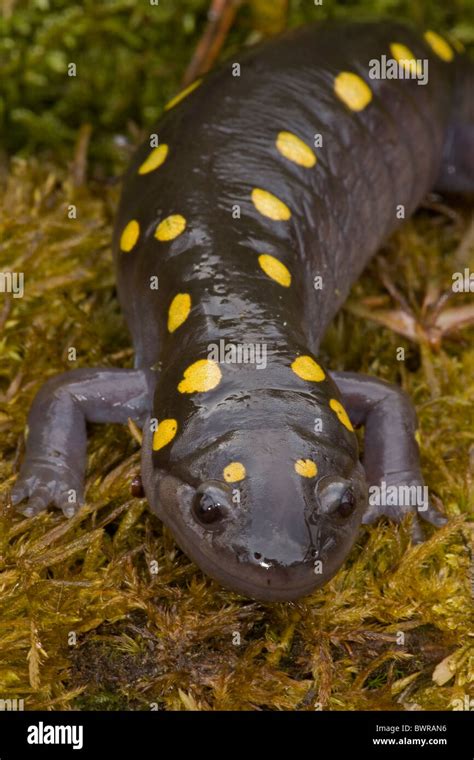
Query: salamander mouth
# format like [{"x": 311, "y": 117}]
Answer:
[
  {"x": 257, "y": 591},
  {"x": 270, "y": 588}
]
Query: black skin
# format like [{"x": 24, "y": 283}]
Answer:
[{"x": 275, "y": 535}]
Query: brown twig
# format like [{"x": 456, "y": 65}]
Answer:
[
  {"x": 433, "y": 203},
  {"x": 220, "y": 16},
  {"x": 79, "y": 163}
]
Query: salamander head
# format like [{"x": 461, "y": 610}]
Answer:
[{"x": 270, "y": 513}]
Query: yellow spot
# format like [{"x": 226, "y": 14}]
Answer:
[
  {"x": 418, "y": 437},
  {"x": 179, "y": 311},
  {"x": 405, "y": 58},
  {"x": 203, "y": 375},
  {"x": 269, "y": 205},
  {"x": 129, "y": 236},
  {"x": 306, "y": 468},
  {"x": 170, "y": 227},
  {"x": 275, "y": 269},
  {"x": 306, "y": 368},
  {"x": 181, "y": 95},
  {"x": 352, "y": 90},
  {"x": 165, "y": 433},
  {"x": 337, "y": 407},
  {"x": 154, "y": 160},
  {"x": 291, "y": 147},
  {"x": 234, "y": 472},
  {"x": 439, "y": 46}
]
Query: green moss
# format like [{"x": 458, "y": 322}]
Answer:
[{"x": 84, "y": 623}]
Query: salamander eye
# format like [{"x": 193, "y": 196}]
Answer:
[
  {"x": 206, "y": 509},
  {"x": 335, "y": 496},
  {"x": 347, "y": 504},
  {"x": 211, "y": 504}
]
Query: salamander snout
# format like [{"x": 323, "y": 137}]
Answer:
[{"x": 274, "y": 528}]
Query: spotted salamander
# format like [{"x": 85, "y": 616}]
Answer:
[{"x": 245, "y": 219}]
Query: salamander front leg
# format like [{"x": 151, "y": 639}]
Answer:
[
  {"x": 55, "y": 458},
  {"x": 391, "y": 455}
]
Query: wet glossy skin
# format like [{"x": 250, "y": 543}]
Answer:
[
  {"x": 284, "y": 536},
  {"x": 221, "y": 139},
  {"x": 255, "y": 468}
]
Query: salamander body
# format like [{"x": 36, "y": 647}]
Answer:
[{"x": 245, "y": 219}]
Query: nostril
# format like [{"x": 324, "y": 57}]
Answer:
[{"x": 262, "y": 561}]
